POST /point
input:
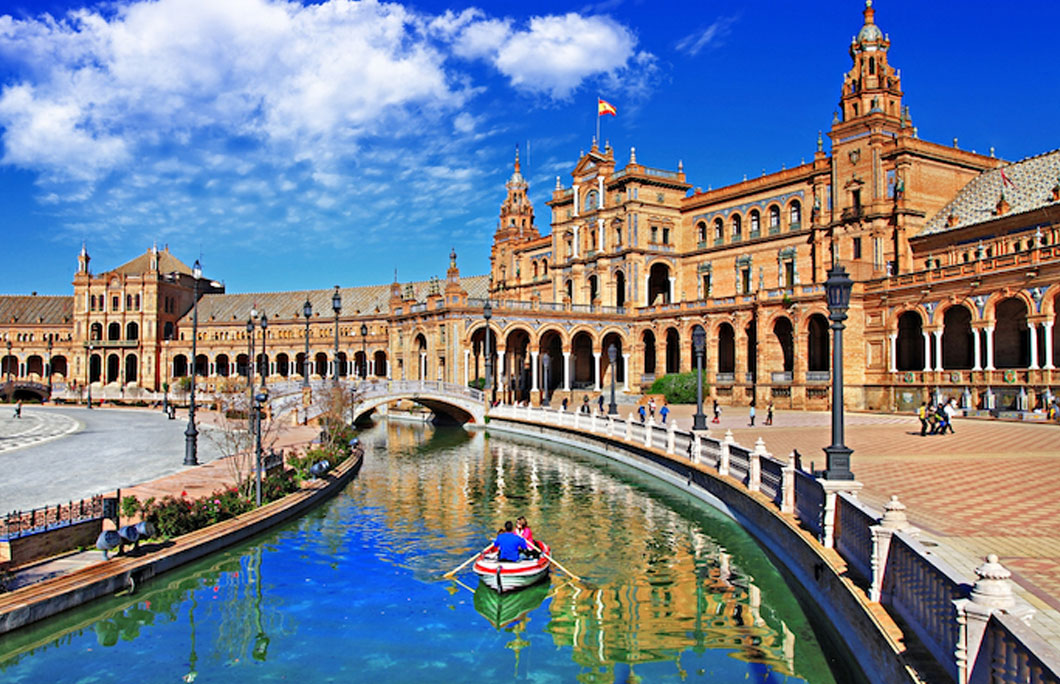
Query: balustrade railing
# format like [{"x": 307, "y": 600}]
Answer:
[
  {"x": 18, "y": 523},
  {"x": 853, "y": 533}
]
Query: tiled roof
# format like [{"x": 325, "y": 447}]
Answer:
[
  {"x": 1027, "y": 184},
  {"x": 369, "y": 300},
  {"x": 36, "y": 310},
  {"x": 167, "y": 263}
]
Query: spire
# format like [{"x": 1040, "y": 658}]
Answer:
[
  {"x": 452, "y": 251},
  {"x": 83, "y": 259},
  {"x": 517, "y": 157},
  {"x": 872, "y": 87},
  {"x": 633, "y": 155},
  {"x": 820, "y": 142}
]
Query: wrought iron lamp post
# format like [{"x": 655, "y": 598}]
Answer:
[
  {"x": 264, "y": 356},
  {"x": 88, "y": 373},
  {"x": 364, "y": 351},
  {"x": 259, "y": 404},
  {"x": 49, "y": 366},
  {"x": 612, "y": 354},
  {"x": 252, "y": 358},
  {"x": 837, "y": 288},
  {"x": 487, "y": 313},
  {"x": 307, "y": 311},
  {"x": 191, "y": 435},
  {"x": 336, "y": 306},
  {"x": 546, "y": 366},
  {"x": 7, "y": 362},
  {"x": 699, "y": 344}
]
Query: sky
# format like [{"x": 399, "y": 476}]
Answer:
[{"x": 299, "y": 145}]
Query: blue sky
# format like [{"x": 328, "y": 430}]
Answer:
[{"x": 301, "y": 145}]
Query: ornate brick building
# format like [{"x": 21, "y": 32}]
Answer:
[{"x": 954, "y": 256}]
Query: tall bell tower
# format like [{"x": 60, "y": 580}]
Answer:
[
  {"x": 514, "y": 229},
  {"x": 872, "y": 89}
]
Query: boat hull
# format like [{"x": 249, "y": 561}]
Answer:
[{"x": 505, "y": 576}]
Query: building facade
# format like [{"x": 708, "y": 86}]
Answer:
[{"x": 953, "y": 253}]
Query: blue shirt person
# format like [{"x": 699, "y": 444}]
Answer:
[
  {"x": 509, "y": 544},
  {"x": 664, "y": 411}
]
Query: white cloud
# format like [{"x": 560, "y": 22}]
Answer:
[{"x": 712, "y": 36}]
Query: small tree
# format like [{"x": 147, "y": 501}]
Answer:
[{"x": 235, "y": 438}]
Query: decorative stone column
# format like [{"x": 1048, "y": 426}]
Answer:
[
  {"x": 625, "y": 372},
  {"x": 1033, "y": 327},
  {"x": 938, "y": 349},
  {"x": 467, "y": 369},
  {"x": 976, "y": 353},
  {"x": 927, "y": 351},
  {"x": 831, "y": 491},
  {"x": 894, "y": 353},
  {"x": 673, "y": 279},
  {"x": 1048, "y": 325},
  {"x": 989, "y": 331},
  {"x": 893, "y": 520},
  {"x": 533, "y": 370},
  {"x": 596, "y": 371},
  {"x": 990, "y": 595},
  {"x": 566, "y": 371}
]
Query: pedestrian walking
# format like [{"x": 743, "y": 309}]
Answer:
[
  {"x": 664, "y": 411},
  {"x": 949, "y": 410},
  {"x": 600, "y": 401},
  {"x": 922, "y": 414},
  {"x": 18, "y": 409},
  {"x": 640, "y": 410},
  {"x": 717, "y": 412},
  {"x": 564, "y": 403},
  {"x": 752, "y": 413},
  {"x": 651, "y": 408},
  {"x": 769, "y": 414},
  {"x": 585, "y": 403}
]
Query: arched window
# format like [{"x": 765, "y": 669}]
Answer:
[
  {"x": 774, "y": 218},
  {"x": 132, "y": 331},
  {"x": 701, "y": 231},
  {"x": 756, "y": 222},
  {"x": 719, "y": 230},
  {"x": 795, "y": 215},
  {"x": 535, "y": 269},
  {"x": 544, "y": 267},
  {"x": 96, "y": 331},
  {"x": 737, "y": 227},
  {"x": 114, "y": 331}
]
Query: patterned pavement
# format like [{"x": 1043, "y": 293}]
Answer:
[
  {"x": 991, "y": 487},
  {"x": 32, "y": 428}
]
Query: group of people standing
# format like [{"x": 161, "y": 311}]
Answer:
[
  {"x": 649, "y": 411},
  {"x": 936, "y": 419},
  {"x": 515, "y": 542}
]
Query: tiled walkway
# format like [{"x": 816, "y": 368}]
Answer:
[{"x": 992, "y": 487}]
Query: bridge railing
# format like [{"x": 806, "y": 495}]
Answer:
[{"x": 975, "y": 636}]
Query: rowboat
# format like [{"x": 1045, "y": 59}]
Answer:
[
  {"x": 502, "y": 610},
  {"x": 505, "y": 576}
]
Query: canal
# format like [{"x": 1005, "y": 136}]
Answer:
[{"x": 354, "y": 591}]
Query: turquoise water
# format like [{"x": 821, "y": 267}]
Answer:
[{"x": 354, "y": 590}]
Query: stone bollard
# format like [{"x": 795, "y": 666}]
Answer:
[
  {"x": 787, "y": 485},
  {"x": 893, "y": 520},
  {"x": 991, "y": 594},
  {"x": 670, "y": 436},
  {"x": 723, "y": 457},
  {"x": 629, "y": 428},
  {"x": 649, "y": 427},
  {"x": 754, "y": 477},
  {"x": 592, "y": 421},
  {"x": 697, "y": 447}
]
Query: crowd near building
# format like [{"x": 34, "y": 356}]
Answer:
[{"x": 953, "y": 254}]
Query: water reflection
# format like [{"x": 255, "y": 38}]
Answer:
[{"x": 355, "y": 588}]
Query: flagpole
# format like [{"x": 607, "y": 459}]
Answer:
[{"x": 597, "y": 119}]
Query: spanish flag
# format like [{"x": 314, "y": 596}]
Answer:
[{"x": 605, "y": 107}]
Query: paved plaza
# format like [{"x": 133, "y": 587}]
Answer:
[{"x": 991, "y": 487}]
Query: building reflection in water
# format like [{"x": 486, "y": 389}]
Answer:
[{"x": 656, "y": 584}]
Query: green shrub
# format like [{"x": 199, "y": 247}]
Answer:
[
  {"x": 678, "y": 388},
  {"x": 477, "y": 383}
]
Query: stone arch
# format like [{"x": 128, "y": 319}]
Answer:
[
  {"x": 35, "y": 365},
  {"x": 910, "y": 342},
  {"x": 817, "y": 347},
  {"x": 95, "y": 331},
  {"x": 113, "y": 367},
  {"x": 593, "y": 282},
  {"x": 616, "y": 338},
  {"x": 726, "y": 355},
  {"x": 131, "y": 368},
  {"x": 113, "y": 333},
  {"x": 583, "y": 371},
  {"x": 95, "y": 367},
  {"x": 180, "y": 366},
  {"x": 379, "y": 364},
  {"x": 620, "y": 288},
  {"x": 957, "y": 338},
  {"x": 784, "y": 334},
  {"x": 320, "y": 364},
  {"x": 550, "y": 347},
  {"x": 658, "y": 283},
  {"x": 673, "y": 350},
  {"x": 736, "y": 225},
  {"x": 242, "y": 365},
  {"x": 516, "y": 376},
  {"x": 794, "y": 214},
  {"x": 701, "y": 231},
  {"x": 222, "y": 365},
  {"x": 648, "y": 342},
  {"x": 1012, "y": 340},
  {"x": 202, "y": 365},
  {"x": 132, "y": 331},
  {"x": 422, "y": 361},
  {"x": 59, "y": 365},
  {"x": 476, "y": 341}
]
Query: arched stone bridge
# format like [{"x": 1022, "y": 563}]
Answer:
[{"x": 456, "y": 402}]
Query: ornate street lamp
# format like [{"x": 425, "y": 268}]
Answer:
[
  {"x": 191, "y": 435},
  {"x": 837, "y": 288},
  {"x": 612, "y": 354},
  {"x": 364, "y": 352},
  {"x": 307, "y": 311},
  {"x": 7, "y": 361},
  {"x": 259, "y": 404},
  {"x": 545, "y": 358},
  {"x": 264, "y": 356},
  {"x": 336, "y": 306},
  {"x": 49, "y": 366},
  {"x": 487, "y": 313},
  {"x": 699, "y": 344},
  {"x": 251, "y": 358},
  {"x": 88, "y": 372}
]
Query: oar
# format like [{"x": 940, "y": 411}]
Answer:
[
  {"x": 560, "y": 566},
  {"x": 459, "y": 567}
]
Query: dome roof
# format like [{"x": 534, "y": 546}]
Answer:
[{"x": 870, "y": 33}]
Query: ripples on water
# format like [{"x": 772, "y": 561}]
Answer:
[{"x": 354, "y": 590}]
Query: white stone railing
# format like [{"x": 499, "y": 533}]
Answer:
[{"x": 976, "y": 636}]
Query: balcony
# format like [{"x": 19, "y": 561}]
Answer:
[
  {"x": 818, "y": 376},
  {"x": 781, "y": 378},
  {"x": 725, "y": 378},
  {"x": 101, "y": 344}
]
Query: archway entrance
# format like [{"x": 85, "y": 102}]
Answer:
[
  {"x": 517, "y": 366},
  {"x": 957, "y": 341},
  {"x": 659, "y": 285},
  {"x": 910, "y": 342},
  {"x": 551, "y": 364}
]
